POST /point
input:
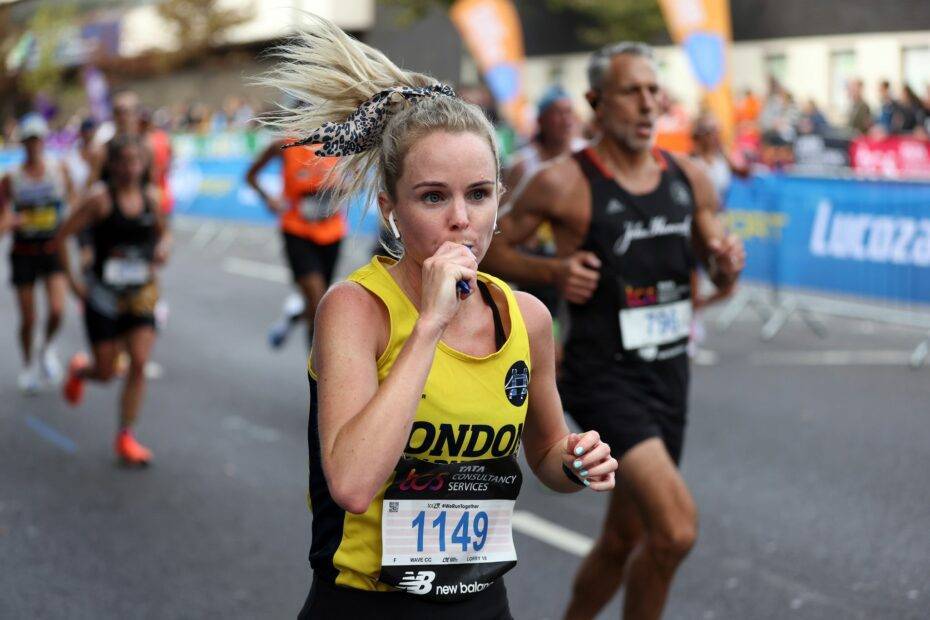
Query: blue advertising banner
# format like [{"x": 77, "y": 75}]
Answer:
[
  {"x": 869, "y": 239},
  {"x": 215, "y": 187},
  {"x": 865, "y": 238}
]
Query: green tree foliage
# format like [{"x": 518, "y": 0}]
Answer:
[
  {"x": 47, "y": 27},
  {"x": 617, "y": 20},
  {"x": 201, "y": 24},
  {"x": 601, "y": 21}
]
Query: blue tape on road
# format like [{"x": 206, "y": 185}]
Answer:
[{"x": 51, "y": 435}]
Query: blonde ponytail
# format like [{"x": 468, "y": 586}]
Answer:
[{"x": 331, "y": 74}]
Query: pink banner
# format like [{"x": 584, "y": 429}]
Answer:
[{"x": 891, "y": 157}]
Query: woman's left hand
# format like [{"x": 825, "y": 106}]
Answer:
[{"x": 589, "y": 458}]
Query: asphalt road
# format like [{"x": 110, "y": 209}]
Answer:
[{"x": 808, "y": 459}]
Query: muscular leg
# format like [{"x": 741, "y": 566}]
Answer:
[
  {"x": 601, "y": 573},
  {"x": 103, "y": 366},
  {"x": 650, "y": 527},
  {"x": 139, "y": 343},
  {"x": 670, "y": 519},
  {"x": 312, "y": 286},
  {"x": 25, "y": 296},
  {"x": 55, "y": 286}
]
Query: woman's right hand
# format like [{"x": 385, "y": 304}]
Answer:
[{"x": 439, "y": 301}]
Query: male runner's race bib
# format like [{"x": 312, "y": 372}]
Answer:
[
  {"x": 651, "y": 326},
  {"x": 315, "y": 207},
  {"x": 446, "y": 528},
  {"x": 126, "y": 271},
  {"x": 39, "y": 220}
]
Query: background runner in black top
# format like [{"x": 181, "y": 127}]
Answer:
[
  {"x": 625, "y": 221},
  {"x": 119, "y": 236},
  {"x": 644, "y": 244},
  {"x": 120, "y": 292},
  {"x": 33, "y": 200}
]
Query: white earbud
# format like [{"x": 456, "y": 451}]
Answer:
[{"x": 393, "y": 225}]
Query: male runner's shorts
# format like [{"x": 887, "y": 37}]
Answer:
[
  {"x": 85, "y": 238},
  {"x": 109, "y": 318},
  {"x": 630, "y": 403},
  {"x": 26, "y": 269},
  {"x": 305, "y": 256},
  {"x": 331, "y": 601}
]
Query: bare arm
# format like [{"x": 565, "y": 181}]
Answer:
[
  {"x": 94, "y": 207},
  {"x": 97, "y": 159},
  {"x": 71, "y": 191},
  {"x": 547, "y": 442},
  {"x": 517, "y": 223},
  {"x": 7, "y": 220},
  {"x": 554, "y": 190},
  {"x": 251, "y": 176},
  {"x": 164, "y": 237},
  {"x": 722, "y": 254},
  {"x": 365, "y": 426}
]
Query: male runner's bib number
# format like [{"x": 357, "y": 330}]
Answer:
[
  {"x": 39, "y": 220},
  {"x": 651, "y": 326},
  {"x": 446, "y": 528},
  {"x": 126, "y": 271},
  {"x": 314, "y": 207}
]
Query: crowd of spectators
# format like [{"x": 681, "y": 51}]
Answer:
[
  {"x": 779, "y": 116},
  {"x": 194, "y": 117}
]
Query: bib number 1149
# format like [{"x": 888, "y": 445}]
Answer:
[{"x": 462, "y": 532}]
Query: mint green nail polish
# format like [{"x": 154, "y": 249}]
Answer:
[
  {"x": 584, "y": 473},
  {"x": 579, "y": 451},
  {"x": 577, "y": 464},
  {"x": 586, "y": 483}
]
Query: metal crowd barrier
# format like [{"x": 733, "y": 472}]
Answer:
[{"x": 851, "y": 247}]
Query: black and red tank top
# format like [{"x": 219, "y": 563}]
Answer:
[
  {"x": 124, "y": 247},
  {"x": 641, "y": 309}
]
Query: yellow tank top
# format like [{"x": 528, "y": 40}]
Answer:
[{"x": 472, "y": 408}]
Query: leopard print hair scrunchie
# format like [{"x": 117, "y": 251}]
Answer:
[{"x": 362, "y": 130}]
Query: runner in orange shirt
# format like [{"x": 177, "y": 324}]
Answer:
[{"x": 311, "y": 226}]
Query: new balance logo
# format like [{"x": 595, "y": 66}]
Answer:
[
  {"x": 420, "y": 582},
  {"x": 615, "y": 206}
]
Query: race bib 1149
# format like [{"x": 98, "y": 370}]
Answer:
[{"x": 446, "y": 528}]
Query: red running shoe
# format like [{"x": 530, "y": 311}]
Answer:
[
  {"x": 73, "y": 388},
  {"x": 130, "y": 451}
]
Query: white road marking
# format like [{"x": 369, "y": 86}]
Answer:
[
  {"x": 256, "y": 269},
  {"x": 254, "y": 431},
  {"x": 551, "y": 533},
  {"x": 869, "y": 357}
]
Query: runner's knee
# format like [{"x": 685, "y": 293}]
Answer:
[
  {"x": 104, "y": 372},
  {"x": 672, "y": 542},
  {"x": 136, "y": 369},
  {"x": 27, "y": 320},
  {"x": 618, "y": 544}
]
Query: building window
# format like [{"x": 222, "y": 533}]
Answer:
[
  {"x": 916, "y": 61},
  {"x": 776, "y": 66},
  {"x": 842, "y": 70}
]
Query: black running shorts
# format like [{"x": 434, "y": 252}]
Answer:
[
  {"x": 25, "y": 269},
  {"x": 133, "y": 309},
  {"x": 629, "y": 403},
  {"x": 327, "y": 601},
  {"x": 305, "y": 256}
]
